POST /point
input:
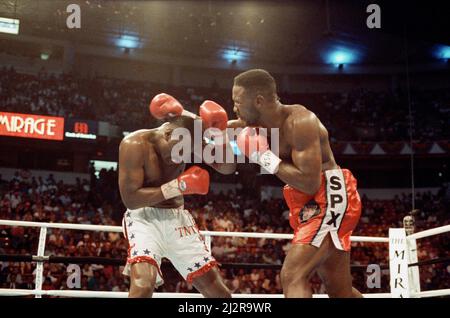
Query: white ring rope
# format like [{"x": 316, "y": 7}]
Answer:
[
  {"x": 110, "y": 228},
  {"x": 106, "y": 294},
  {"x": 110, "y": 294},
  {"x": 69, "y": 226},
  {"x": 430, "y": 232}
]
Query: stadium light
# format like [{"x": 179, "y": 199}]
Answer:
[
  {"x": 442, "y": 52},
  {"x": 341, "y": 57},
  {"x": 128, "y": 41},
  {"x": 10, "y": 26},
  {"x": 234, "y": 54}
]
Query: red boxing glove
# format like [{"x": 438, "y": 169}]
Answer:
[
  {"x": 163, "y": 105},
  {"x": 256, "y": 148},
  {"x": 213, "y": 115},
  {"x": 194, "y": 180}
]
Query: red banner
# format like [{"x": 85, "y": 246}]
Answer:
[{"x": 31, "y": 126}]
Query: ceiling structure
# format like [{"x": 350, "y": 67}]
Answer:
[{"x": 300, "y": 32}]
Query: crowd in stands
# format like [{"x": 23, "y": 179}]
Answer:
[
  {"x": 358, "y": 115},
  {"x": 28, "y": 198}
]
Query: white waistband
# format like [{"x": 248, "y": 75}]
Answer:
[{"x": 152, "y": 208}]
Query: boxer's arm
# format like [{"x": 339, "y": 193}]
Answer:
[
  {"x": 131, "y": 177},
  {"x": 303, "y": 173},
  {"x": 228, "y": 165},
  {"x": 236, "y": 123},
  {"x": 228, "y": 162},
  {"x": 229, "y": 168},
  {"x": 224, "y": 168}
]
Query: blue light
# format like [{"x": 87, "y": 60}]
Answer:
[
  {"x": 341, "y": 57},
  {"x": 128, "y": 41},
  {"x": 234, "y": 54},
  {"x": 233, "y": 145},
  {"x": 235, "y": 148},
  {"x": 443, "y": 52}
]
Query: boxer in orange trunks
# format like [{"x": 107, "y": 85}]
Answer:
[{"x": 323, "y": 200}]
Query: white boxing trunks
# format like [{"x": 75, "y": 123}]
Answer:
[{"x": 154, "y": 233}]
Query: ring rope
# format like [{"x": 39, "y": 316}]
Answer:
[
  {"x": 120, "y": 261},
  {"x": 110, "y": 294},
  {"x": 110, "y": 228},
  {"x": 106, "y": 294},
  {"x": 430, "y": 232}
]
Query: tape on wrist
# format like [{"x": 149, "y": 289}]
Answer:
[
  {"x": 170, "y": 189},
  {"x": 269, "y": 162},
  {"x": 188, "y": 114}
]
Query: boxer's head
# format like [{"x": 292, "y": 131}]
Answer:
[
  {"x": 167, "y": 142},
  {"x": 254, "y": 93}
]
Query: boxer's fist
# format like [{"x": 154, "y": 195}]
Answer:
[
  {"x": 164, "y": 105},
  {"x": 213, "y": 115},
  {"x": 256, "y": 147},
  {"x": 195, "y": 180}
]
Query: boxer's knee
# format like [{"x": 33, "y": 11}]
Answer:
[
  {"x": 211, "y": 285},
  {"x": 142, "y": 280},
  {"x": 141, "y": 289},
  {"x": 294, "y": 280},
  {"x": 295, "y": 284},
  {"x": 290, "y": 276},
  {"x": 218, "y": 290}
]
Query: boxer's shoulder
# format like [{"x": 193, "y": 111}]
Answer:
[
  {"x": 138, "y": 140},
  {"x": 136, "y": 136},
  {"x": 298, "y": 117},
  {"x": 141, "y": 136},
  {"x": 297, "y": 109}
]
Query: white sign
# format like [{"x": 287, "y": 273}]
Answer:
[
  {"x": 398, "y": 263},
  {"x": 80, "y": 135}
]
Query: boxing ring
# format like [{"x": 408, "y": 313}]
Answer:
[{"x": 403, "y": 264}]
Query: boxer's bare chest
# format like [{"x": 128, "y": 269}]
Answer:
[{"x": 158, "y": 172}]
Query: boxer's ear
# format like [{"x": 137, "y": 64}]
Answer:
[
  {"x": 259, "y": 101},
  {"x": 168, "y": 133}
]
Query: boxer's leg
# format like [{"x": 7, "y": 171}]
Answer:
[
  {"x": 335, "y": 274},
  {"x": 335, "y": 270},
  {"x": 300, "y": 264},
  {"x": 145, "y": 253},
  {"x": 211, "y": 285},
  {"x": 191, "y": 257},
  {"x": 142, "y": 280}
]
